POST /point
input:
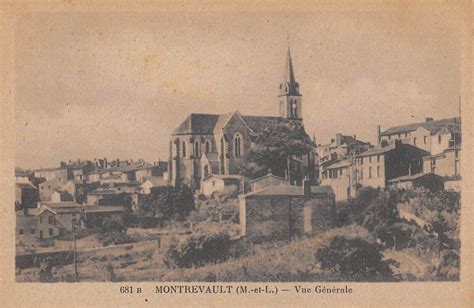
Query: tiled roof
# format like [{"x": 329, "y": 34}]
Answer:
[
  {"x": 206, "y": 124},
  {"x": 102, "y": 208},
  {"x": 105, "y": 191},
  {"x": 59, "y": 204},
  {"x": 198, "y": 124},
  {"x": 278, "y": 190},
  {"x": 433, "y": 126},
  {"x": 25, "y": 186},
  {"x": 338, "y": 164},
  {"x": 225, "y": 176},
  {"x": 323, "y": 189},
  {"x": 266, "y": 176}
]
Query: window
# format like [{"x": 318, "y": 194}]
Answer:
[
  {"x": 41, "y": 219},
  {"x": 184, "y": 149},
  {"x": 74, "y": 221},
  {"x": 208, "y": 146},
  {"x": 196, "y": 149},
  {"x": 50, "y": 220},
  {"x": 370, "y": 172},
  {"x": 389, "y": 137},
  {"x": 20, "y": 231},
  {"x": 32, "y": 231},
  {"x": 50, "y": 232},
  {"x": 425, "y": 139},
  {"x": 378, "y": 171},
  {"x": 362, "y": 161},
  {"x": 340, "y": 172},
  {"x": 238, "y": 141},
  {"x": 439, "y": 139},
  {"x": 399, "y": 136},
  {"x": 378, "y": 158},
  {"x": 406, "y": 134},
  {"x": 414, "y": 141},
  {"x": 370, "y": 159}
]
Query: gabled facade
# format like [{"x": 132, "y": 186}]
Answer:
[{"x": 206, "y": 144}]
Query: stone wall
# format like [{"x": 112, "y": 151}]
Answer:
[{"x": 266, "y": 218}]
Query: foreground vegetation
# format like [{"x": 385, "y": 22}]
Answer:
[{"x": 364, "y": 239}]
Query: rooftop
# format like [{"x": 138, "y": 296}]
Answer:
[{"x": 433, "y": 126}]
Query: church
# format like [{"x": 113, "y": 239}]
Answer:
[{"x": 216, "y": 144}]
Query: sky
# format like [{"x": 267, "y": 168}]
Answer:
[{"x": 92, "y": 85}]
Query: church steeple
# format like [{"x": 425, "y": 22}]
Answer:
[{"x": 290, "y": 96}]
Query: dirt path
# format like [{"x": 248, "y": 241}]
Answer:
[{"x": 409, "y": 263}]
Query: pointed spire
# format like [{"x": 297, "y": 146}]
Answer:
[{"x": 289, "y": 76}]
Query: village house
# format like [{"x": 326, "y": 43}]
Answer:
[
  {"x": 22, "y": 176},
  {"x": 372, "y": 168},
  {"x": 150, "y": 182},
  {"x": 427, "y": 180},
  {"x": 433, "y": 136},
  {"x": 52, "y": 219},
  {"x": 225, "y": 184},
  {"x": 52, "y": 173},
  {"x": 282, "y": 211},
  {"x": 445, "y": 164},
  {"x": 26, "y": 195},
  {"x": 46, "y": 189},
  {"x": 340, "y": 147},
  {"x": 217, "y": 144}
]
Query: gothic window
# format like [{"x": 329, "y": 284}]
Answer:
[
  {"x": 184, "y": 149},
  {"x": 238, "y": 144},
  {"x": 439, "y": 139},
  {"x": 196, "y": 148},
  {"x": 294, "y": 109},
  {"x": 414, "y": 141},
  {"x": 208, "y": 146}
]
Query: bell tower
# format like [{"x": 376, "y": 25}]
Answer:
[{"x": 289, "y": 98}]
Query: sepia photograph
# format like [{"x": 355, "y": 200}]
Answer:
[{"x": 231, "y": 146}]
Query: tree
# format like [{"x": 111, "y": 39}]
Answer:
[
  {"x": 167, "y": 201},
  {"x": 273, "y": 148},
  {"x": 353, "y": 259}
]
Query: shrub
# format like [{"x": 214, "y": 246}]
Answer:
[
  {"x": 353, "y": 259},
  {"x": 197, "y": 250}
]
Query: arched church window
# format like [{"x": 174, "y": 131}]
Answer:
[
  {"x": 196, "y": 148},
  {"x": 177, "y": 147},
  {"x": 208, "y": 147},
  {"x": 238, "y": 144},
  {"x": 294, "y": 109},
  {"x": 184, "y": 148}
]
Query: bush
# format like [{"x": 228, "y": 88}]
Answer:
[
  {"x": 197, "y": 250},
  {"x": 353, "y": 259},
  {"x": 114, "y": 238}
]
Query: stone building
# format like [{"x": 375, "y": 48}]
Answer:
[
  {"x": 205, "y": 144},
  {"x": 433, "y": 136},
  {"x": 281, "y": 212},
  {"x": 373, "y": 168}
]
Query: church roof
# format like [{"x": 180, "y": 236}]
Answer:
[
  {"x": 206, "y": 124},
  {"x": 197, "y": 123}
]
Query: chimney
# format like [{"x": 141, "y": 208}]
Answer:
[
  {"x": 269, "y": 171},
  {"x": 307, "y": 188},
  {"x": 429, "y": 119},
  {"x": 338, "y": 139},
  {"x": 378, "y": 135}
]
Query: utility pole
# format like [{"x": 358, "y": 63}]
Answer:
[{"x": 74, "y": 252}]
